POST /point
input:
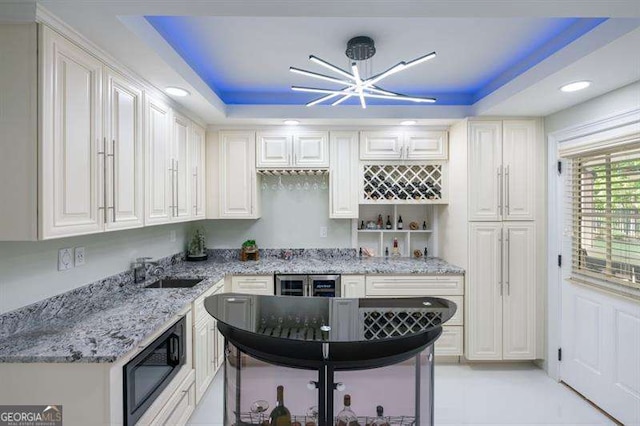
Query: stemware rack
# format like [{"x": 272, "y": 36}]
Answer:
[{"x": 248, "y": 419}]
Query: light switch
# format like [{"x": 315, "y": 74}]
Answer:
[
  {"x": 79, "y": 256},
  {"x": 323, "y": 232},
  {"x": 172, "y": 236},
  {"x": 65, "y": 259}
]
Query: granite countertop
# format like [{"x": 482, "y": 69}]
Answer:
[{"x": 103, "y": 321}]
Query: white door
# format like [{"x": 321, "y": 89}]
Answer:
[
  {"x": 197, "y": 149},
  {"x": 237, "y": 175},
  {"x": 352, "y": 286},
  {"x": 72, "y": 145},
  {"x": 311, "y": 149},
  {"x": 202, "y": 356},
  {"x": 181, "y": 167},
  {"x": 344, "y": 177},
  {"x": 158, "y": 168},
  {"x": 431, "y": 145},
  {"x": 483, "y": 292},
  {"x": 519, "y": 295},
  {"x": 273, "y": 150},
  {"x": 485, "y": 171},
  {"x": 518, "y": 159},
  {"x": 381, "y": 145},
  {"x": 124, "y": 174}
]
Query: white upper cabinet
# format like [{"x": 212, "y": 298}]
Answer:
[
  {"x": 197, "y": 150},
  {"x": 311, "y": 149},
  {"x": 518, "y": 158},
  {"x": 502, "y": 160},
  {"x": 273, "y": 149},
  {"x": 181, "y": 167},
  {"x": 415, "y": 145},
  {"x": 238, "y": 179},
  {"x": 344, "y": 183},
  {"x": 426, "y": 145},
  {"x": 124, "y": 174},
  {"x": 485, "y": 171},
  {"x": 280, "y": 149},
  {"x": 158, "y": 163},
  {"x": 72, "y": 147},
  {"x": 381, "y": 145}
]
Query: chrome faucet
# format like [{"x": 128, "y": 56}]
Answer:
[{"x": 140, "y": 269}]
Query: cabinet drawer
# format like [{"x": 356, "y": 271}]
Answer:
[
  {"x": 253, "y": 284},
  {"x": 199, "y": 311},
  {"x": 450, "y": 342},
  {"x": 414, "y": 285},
  {"x": 180, "y": 405}
]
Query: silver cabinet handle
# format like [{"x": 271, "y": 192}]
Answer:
[
  {"x": 113, "y": 177},
  {"x": 501, "y": 260},
  {"x": 195, "y": 198},
  {"x": 499, "y": 190},
  {"x": 507, "y": 189},
  {"x": 104, "y": 178},
  {"x": 177, "y": 189},
  {"x": 173, "y": 189},
  {"x": 508, "y": 265}
]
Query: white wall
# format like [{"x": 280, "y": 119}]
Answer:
[
  {"x": 29, "y": 270},
  {"x": 290, "y": 219},
  {"x": 623, "y": 99}
]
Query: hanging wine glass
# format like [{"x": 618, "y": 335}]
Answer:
[
  {"x": 259, "y": 407},
  {"x": 324, "y": 185},
  {"x": 299, "y": 184},
  {"x": 312, "y": 415},
  {"x": 280, "y": 184},
  {"x": 315, "y": 185},
  {"x": 306, "y": 186}
]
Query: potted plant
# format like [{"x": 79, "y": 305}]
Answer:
[{"x": 197, "y": 250}]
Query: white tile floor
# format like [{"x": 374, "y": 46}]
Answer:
[{"x": 518, "y": 394}]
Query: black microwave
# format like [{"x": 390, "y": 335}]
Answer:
[{"x": 149, "y": 373}]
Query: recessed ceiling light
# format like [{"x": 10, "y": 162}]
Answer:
[
  {"x": 575, "y": 86},
  {"x": 177, "y": 91},
  {"x": 408, "y": 122},
  {"x": 291, "y": 122}
]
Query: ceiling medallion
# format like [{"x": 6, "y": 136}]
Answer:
[{"x": 359, "y": 50}]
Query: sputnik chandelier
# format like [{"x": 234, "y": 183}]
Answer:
[{"x": 359, "y": 49}]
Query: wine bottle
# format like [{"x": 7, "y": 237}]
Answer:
[
  {"x": 347, "y": 417},
  {"x": 380, "y": 420},
  {"x": 388, "y": 222},
  {"x": 424, "y": 225},
  {"x": 280, "y": 416},
  {"x": 379, "y": 224},
  {"x": 400, "y": 224},
  {"x": 362, "y": 224},
  {"x": 396, "y": 250},
  {"x": 386, "y": 251}
]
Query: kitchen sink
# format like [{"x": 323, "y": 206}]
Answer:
[{"x": 175, "y": 283}]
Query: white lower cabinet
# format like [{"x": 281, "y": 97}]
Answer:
[
  {"x": 180, "y": 406},
  {"x": 450, "y": 287},
  {"x": 501, "y": 300},
  {"x": 253, "y": 284},
  {"x": 352, "y": 286}
]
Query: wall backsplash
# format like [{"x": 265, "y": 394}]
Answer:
[
  {"x": 291, "y": 218},
  {"x": 29, "y": 270}
]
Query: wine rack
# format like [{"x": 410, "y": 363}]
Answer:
[
  {"x": 383, "y": 323},
  {"x": 417, "y": 183},
  {"x": 248, "y": 419}
]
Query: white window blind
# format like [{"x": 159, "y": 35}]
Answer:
[{"x": 604, "y": 202}]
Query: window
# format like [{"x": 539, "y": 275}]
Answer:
[{"x": 605, "y": 210}]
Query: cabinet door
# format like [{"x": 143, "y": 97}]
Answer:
[
  {"x": 352, "y": 286},
  {"x": 72, "y": 145},
  {"x": 124, "y": 174},
  {"x": 181, "y": 168},
  {"x": 381, "y": 145},
  {"x": 518, "y": 158},
  {"x": 273, "y": 150},
  {"x": 344, "y": 177},
  {"x": 519, "y": 306},
  {"x": 198, "y": 192},
  {"x": 431, "y": 145},
  {"x": 202, "y": 356},
  {"x": 158, "y": 169},
  {"x": 311, "y": 149},
  {"x": 238, "y": 192},
  {"x": 483, "y": 319},
  {"x": 485, "y": 171}
]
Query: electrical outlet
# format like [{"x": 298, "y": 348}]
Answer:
[
  {"x": 79, "y": 256},
  {"x": 65, "y": 259},
  {"x": 172, "y": 236},
  {"x": 323, "y": 232}
]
